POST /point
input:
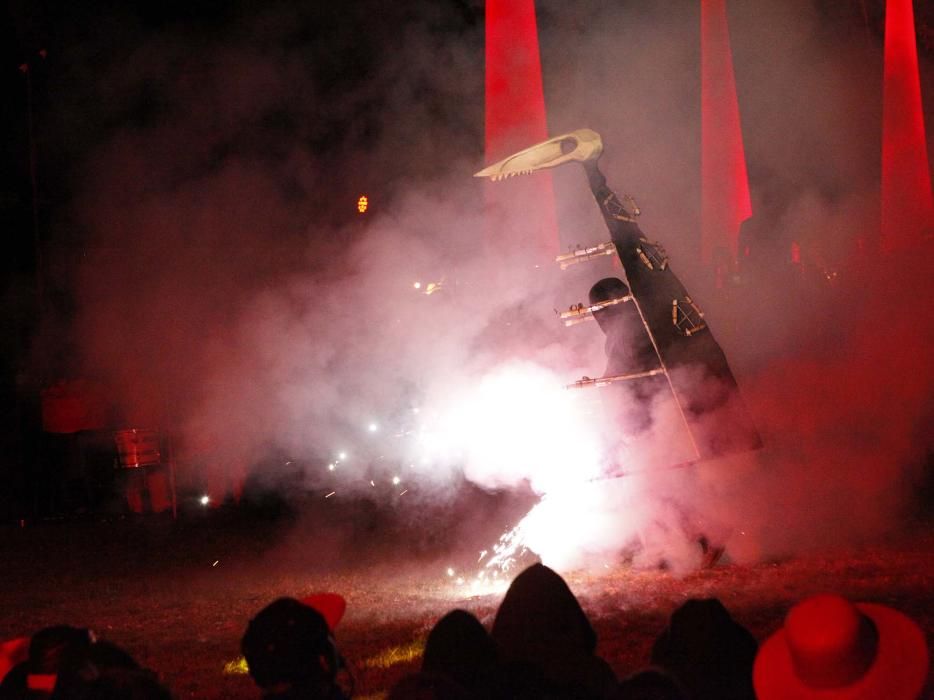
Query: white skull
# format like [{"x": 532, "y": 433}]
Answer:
[{"x": 581, "y": 145}]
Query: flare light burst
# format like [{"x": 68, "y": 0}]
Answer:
[{"x": 518, "y": 424}]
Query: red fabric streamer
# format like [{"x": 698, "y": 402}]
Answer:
[
  {"x": 725, "y": 202},
  {"x": 907, "y": 210},
  {"x": 515, "y": 119}
]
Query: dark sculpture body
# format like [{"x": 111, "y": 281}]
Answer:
[
  {"x": 682, "y": 345},
  {"x": 696, "y": 365}
]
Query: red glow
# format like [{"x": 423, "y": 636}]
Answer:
[
  {"x": 725, "y": 200},
  {"x": 907, "y": 210},
  {"x": 515, "y": 119}
]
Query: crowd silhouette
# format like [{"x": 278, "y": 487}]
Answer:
[{"x": 541, "y": 645}]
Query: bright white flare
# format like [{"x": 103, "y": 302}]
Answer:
[
  {"x": 516, "y": 423},
  {"x": 576, "y": 526}
]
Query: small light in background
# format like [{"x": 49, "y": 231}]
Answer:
[
  {"x": 363, "y": 203},
  {"x": 372, "y": 427},
  {"x": 204, "y": 500},
  {"x": 342, "y": 455},
  {"x": 396, "y": 480}
]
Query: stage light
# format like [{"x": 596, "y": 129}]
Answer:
[
  {"x": 331, "y": 466},
  {"x": 363, "y": 203},
  {"x": 372, "y": 427},
  {"x": 417, "y": 285},
  {"x": 342, "y": 455},
  {"x": 396, "y": 480},
  {"x": 204, "y": 500}
]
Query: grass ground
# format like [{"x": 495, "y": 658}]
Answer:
[{"x": 178, "y": 595}]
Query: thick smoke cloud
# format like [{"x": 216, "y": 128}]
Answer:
[{"x": 224, "y": 293}]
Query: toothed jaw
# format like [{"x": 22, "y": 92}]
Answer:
[
  {"x": 503, "y": 176},
  {"x": 581, "y": 146}
]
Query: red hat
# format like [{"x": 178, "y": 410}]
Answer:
[
  {"x": 831, "y": 648},
  {"x": 331, "y": 606}
]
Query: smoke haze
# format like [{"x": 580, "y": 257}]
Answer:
[{"x": 224, "y": 292}]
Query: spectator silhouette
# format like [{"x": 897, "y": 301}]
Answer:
[
  {"x": 116, "y": 684},
  {"x": 291, "y": 654},
  {"x": 105, "y": 670},
  {"x": 707, "y": 651},
  {"x": 426, "y": 685},
  {"x": 67, "y": 663},
  {"x": 12, "y": 653},
  {"x": 49, "y": 650},
  {"x": 831, "y": 648},
  {"x": 650, "y": 684},
  {"x": 459, "y": 648},
  {"x": 543, "y": 634}
]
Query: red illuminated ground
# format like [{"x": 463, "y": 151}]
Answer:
[{"x": 155, "y": 588}]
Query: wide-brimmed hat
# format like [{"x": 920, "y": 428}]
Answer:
[{"x": 832, "y": 648}]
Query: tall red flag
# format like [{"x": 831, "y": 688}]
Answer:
[
  {"x": 725, "y": 200},
  {"x": 907, "y": 210},
  {"x": 522, "y": 209}
]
